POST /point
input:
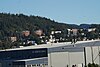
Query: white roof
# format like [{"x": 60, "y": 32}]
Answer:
[{"x": 52, "y": 45}]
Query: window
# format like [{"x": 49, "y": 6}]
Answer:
[
  {"x": 28, "y": 65},
  {"x": 34, "y": 65}
]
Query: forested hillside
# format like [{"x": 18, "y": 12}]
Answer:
[
  {"x": 10, "y": 23},
  {"x": 13, "y": 25}
]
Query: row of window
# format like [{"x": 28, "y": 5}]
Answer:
[
  {"x": 38, "y": 65},
  {"x": 23, "y": 54}
]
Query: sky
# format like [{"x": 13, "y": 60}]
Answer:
[{"x": 62, "y": 11}]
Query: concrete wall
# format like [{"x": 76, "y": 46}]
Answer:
[
  {"x": 62, "y": 59},
  {"x": 96, "y": 55},
  {"x": 59, "y": 59}
]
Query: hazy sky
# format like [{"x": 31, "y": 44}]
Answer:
[{"x": 66, "y": 11}]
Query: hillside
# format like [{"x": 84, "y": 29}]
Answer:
[{"x": 10, "y": 23}]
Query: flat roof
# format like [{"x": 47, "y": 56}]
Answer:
[{"x": 53, "y": 45}]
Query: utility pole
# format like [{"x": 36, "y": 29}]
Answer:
[{"x": 85, "y": 57}]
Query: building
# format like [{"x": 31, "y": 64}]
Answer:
[
  {"x": 23, "y": 58},
  {"x": 13, "y": 39},
  {"x": 39, "y": 32},
  {"x": 26, "y": 33},
  {"x": 52, "y": 55}
]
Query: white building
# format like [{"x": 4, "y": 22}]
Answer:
[{"x": 52, "y": 55}]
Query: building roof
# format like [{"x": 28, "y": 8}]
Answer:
[{"x": 63, "y": 44}]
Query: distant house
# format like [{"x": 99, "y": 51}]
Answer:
[
  {"x": 72, "y": 31},
  {"x": 26, "y": 38},
  {"x": 91, "y": 29},
  {"x": 13, "y": 39},
  {"x": 39, "y": 32},
  {"x": 26, "y": 33},
  {"x": 55, "y": 36},
  {"x": 75, "y": 31}
]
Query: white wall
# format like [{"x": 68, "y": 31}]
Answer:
[
  {"x": 76, "y": 58},
  {"x": 63, "y": 55},
  {"x": 62, "y": 59},
  {"x": 95, "y": 54},
  {"x": 59, "y": 59}
]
